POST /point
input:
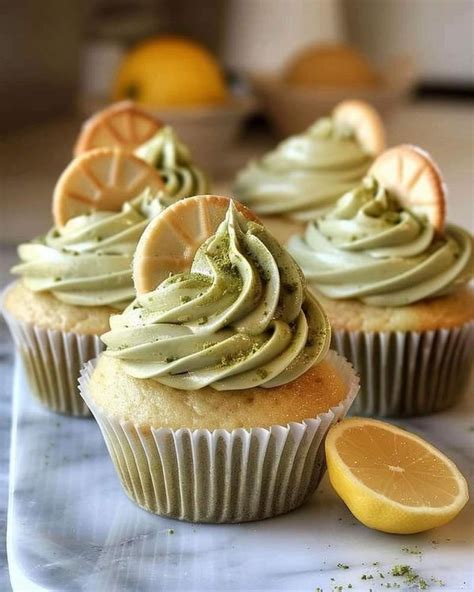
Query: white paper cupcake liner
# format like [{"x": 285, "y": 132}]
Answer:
[
  {"x": 404, "y": 374},
  {"x": 53, "y": 361},
  {"x": 220, "y": 476}
]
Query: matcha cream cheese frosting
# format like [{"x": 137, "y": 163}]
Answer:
[
  {"x": 369, "y": 248},
  {"x": 88, "y": 261},
  {"x": 173, "y": 160},
  {"x": 306, "y": 173},
  {"x": 240, "y": 317}
]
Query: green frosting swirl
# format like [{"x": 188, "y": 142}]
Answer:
[
  {"x": 306, "y": 173},
  {"x": 370, "y": 248},
  {"x": 88, "y": 261},
  {"x": 173, "y": 160},
  {"x": 240, "y": 318}
]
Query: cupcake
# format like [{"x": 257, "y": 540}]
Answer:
[
  {"x": 307, "y": 173},
  {"x": 394, "y": 280},
  {"x": 216, "y": 388},
  {"x": 79, "y": 273}
]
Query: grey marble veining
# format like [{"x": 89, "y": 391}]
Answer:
[{"x": 72, "y": 529}]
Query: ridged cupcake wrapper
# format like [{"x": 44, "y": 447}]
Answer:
[
  {"x": 220, "y": 476},
  {"x": 404, "y": 374},
  {"x": 53, "y": 361}
]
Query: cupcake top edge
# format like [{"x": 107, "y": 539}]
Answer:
[
  {"x": 232, "y": 313},
  {"x": 385, "y": 242},
  {"x": 103, "y": 201},
  {"x": 87, "y": 262}
]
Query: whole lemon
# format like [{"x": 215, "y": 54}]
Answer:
[
  {"x": 331, "y": 66},
  {"x": 170, "y": 72}
]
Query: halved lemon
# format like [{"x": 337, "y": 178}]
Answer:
[
  {"x": 101, "y": 179},
  {"x": 170, "y": 241},
  {"x": 393, "y": 480},
  {"x": 366, "y": 123},
  {"x": 414, "y": 178},
  {"x": 121, "y": 125}
]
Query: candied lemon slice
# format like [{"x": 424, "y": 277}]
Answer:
[
  {"x": 413, "y": 177},
  {"x": 101, "y": 179},
  {"x": 393, "y": 480},
  {"x": 366, "y": 123},
  {"x": 170, "y": 241},
  {"x": 121, "y": 125}
]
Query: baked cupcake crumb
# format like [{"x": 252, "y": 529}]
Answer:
[
  {"x": 44, "y": 310},
  {"x": 444, "y": 312},
  {"x": 148, "y": 403}
]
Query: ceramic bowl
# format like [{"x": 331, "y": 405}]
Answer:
[{"x": 292, "y": 109}]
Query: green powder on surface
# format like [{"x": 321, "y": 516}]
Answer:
[
  {"x": 410, "y": 576},
  {"x": 412, "y": 550}
]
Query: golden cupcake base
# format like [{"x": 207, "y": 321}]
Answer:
[{"x": 221, "y": 476}]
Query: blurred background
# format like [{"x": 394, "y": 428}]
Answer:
[{"x": 413, "y": 59}]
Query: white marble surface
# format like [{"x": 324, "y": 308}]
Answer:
[{"x": 72, "y": 529}]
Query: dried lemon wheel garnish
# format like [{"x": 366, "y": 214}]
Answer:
[
  {"x": 414, "y": 179},
  {"x": 365, "y": 123},
  {"x": 101, "y": 179},
  {"x": 122, "y": 125},
  {"x": 170, "y": 241}
]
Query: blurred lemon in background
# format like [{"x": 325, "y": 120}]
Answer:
[
  {"x": 170, "y": 72},
  {"x": 331, "y": 66}
]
